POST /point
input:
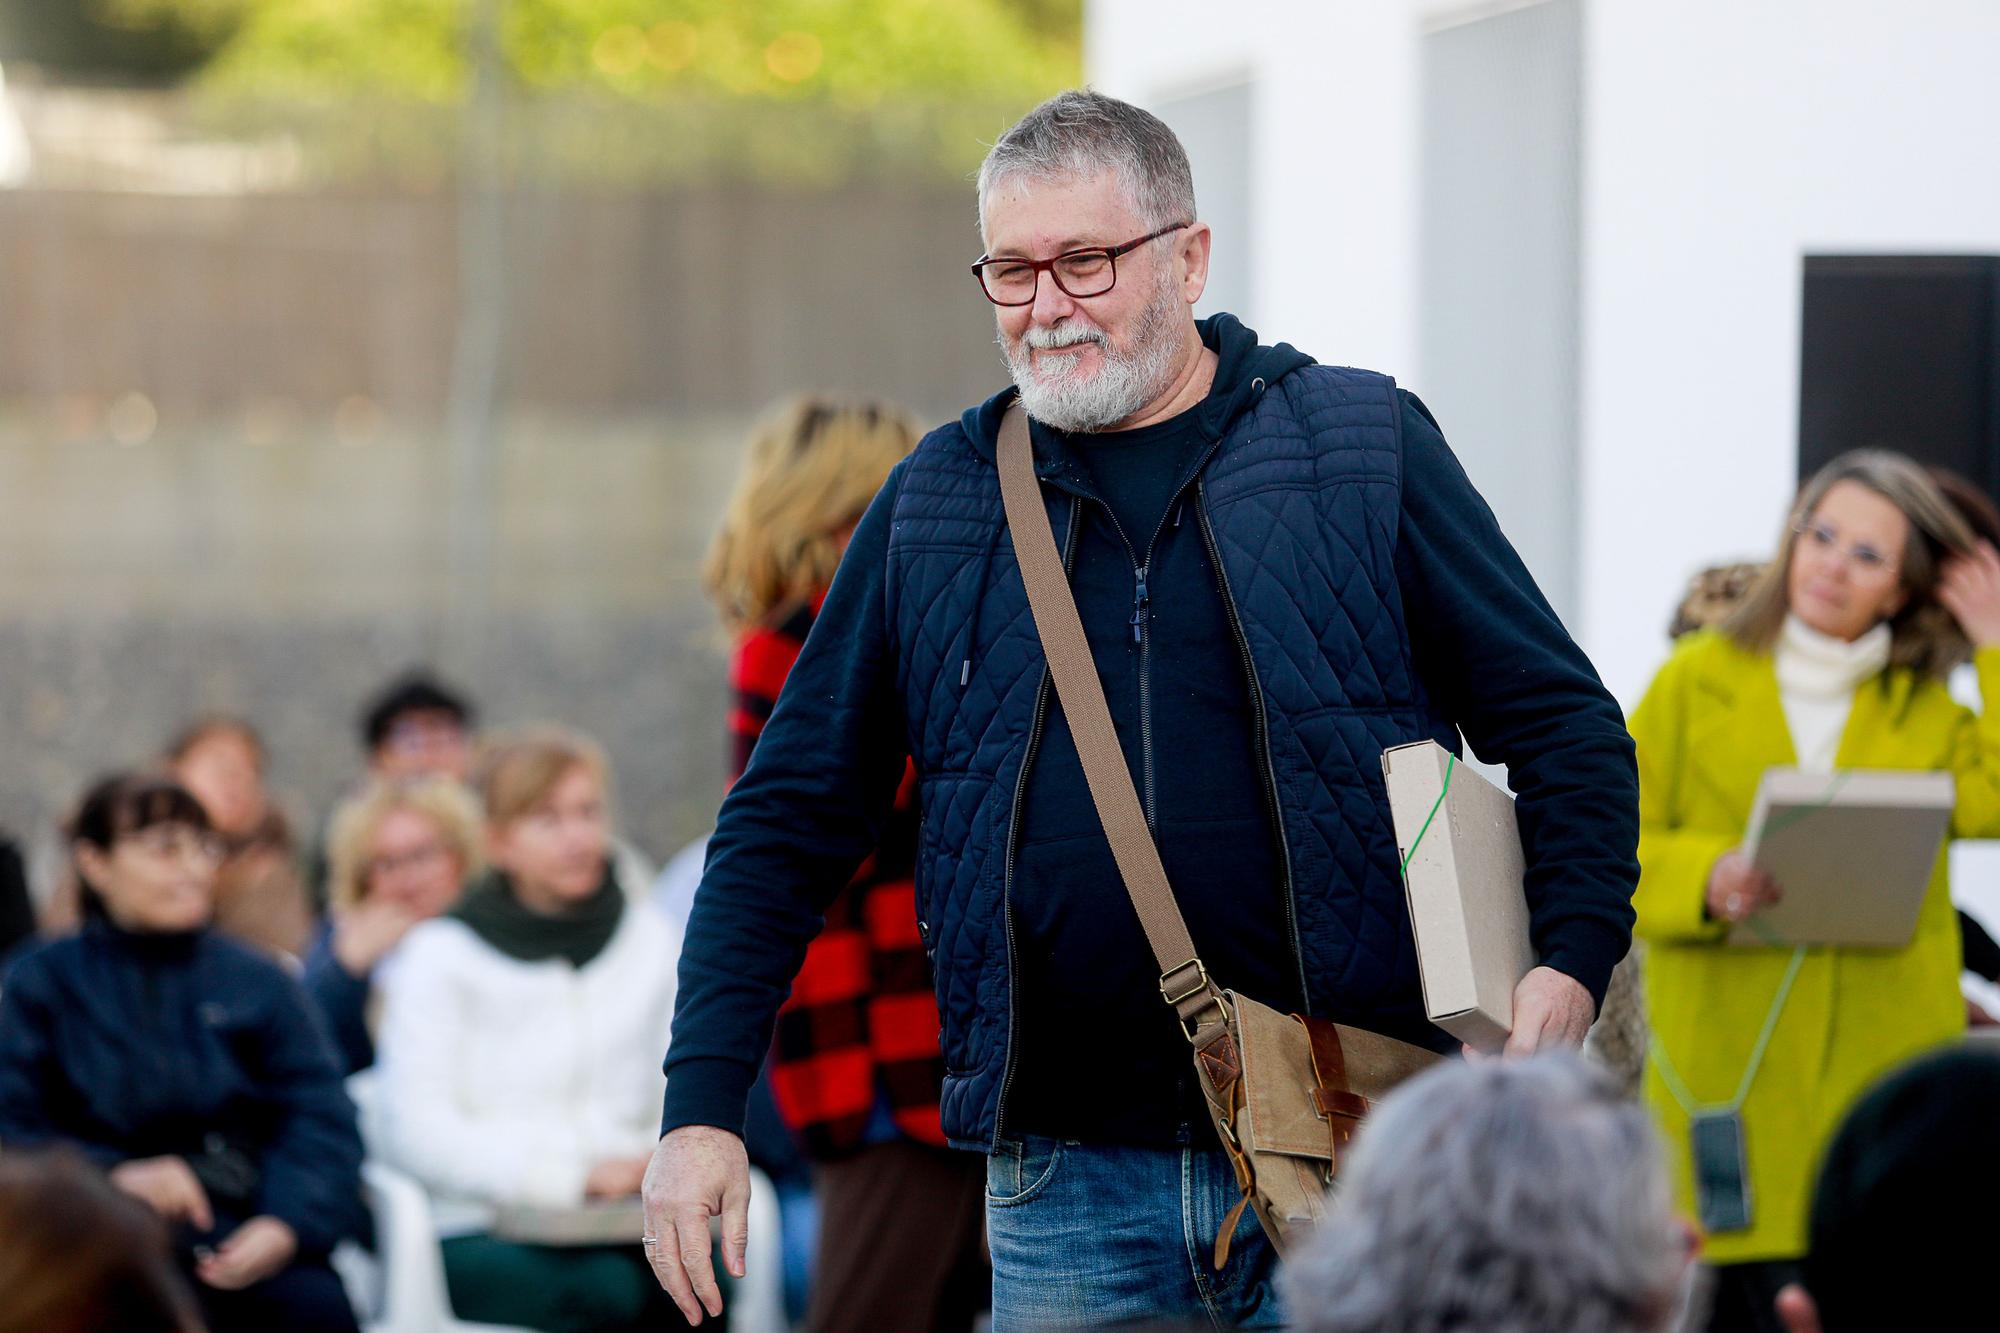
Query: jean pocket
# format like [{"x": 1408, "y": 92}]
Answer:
[{"x": 1018, "y": 1170}]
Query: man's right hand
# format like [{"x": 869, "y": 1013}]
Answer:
[{"x": 697, "y": 1172}]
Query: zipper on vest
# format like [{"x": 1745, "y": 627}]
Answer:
[
  {"x": 1035, "y": 726},
  {"x": 1263, "y": 736}
]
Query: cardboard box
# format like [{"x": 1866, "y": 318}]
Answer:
[
  {"x": 1463, "y": 881},
  {"x": 1853, "y": 852}
]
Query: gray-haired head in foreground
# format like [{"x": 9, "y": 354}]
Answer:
[
  {"x": 1081, "y": 133},
  {"x": 1505, "y": 1197}
]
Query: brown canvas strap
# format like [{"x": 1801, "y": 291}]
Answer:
[{"x": 1184, "y": 982}]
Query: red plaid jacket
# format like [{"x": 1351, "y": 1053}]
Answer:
[{"x": 861, "y": 1020}]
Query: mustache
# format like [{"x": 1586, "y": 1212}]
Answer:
[{"x": 1064, "y": 335}]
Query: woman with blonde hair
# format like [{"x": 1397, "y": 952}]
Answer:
[
  {"x": 519, "y": 1055},
  {"x": 399, "y": 853},
  {"x": 1836, "y": 659},
  {"x": 812, "y": 467},
  {"x": 855, "y": 1069}
]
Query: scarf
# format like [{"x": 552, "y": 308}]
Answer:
[{"x": 498, "y": 917}]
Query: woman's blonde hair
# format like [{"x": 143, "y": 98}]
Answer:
[
  {"x": 813, "y": 466},
  {"x": 518, "y": 769},
  {"x": 446, "y": 803},
  {"x": 1925, "y": 637}
]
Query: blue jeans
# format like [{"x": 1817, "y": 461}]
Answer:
[{"x": 1090, "y": 1234}]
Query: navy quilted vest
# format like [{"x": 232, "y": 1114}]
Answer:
[{"x": 1301, "y": 501}]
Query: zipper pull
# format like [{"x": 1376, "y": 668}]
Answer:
[{"x": 1139, "y": 604}]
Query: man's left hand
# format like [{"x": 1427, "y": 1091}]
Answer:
[{"x": 1551, "y": 1010}]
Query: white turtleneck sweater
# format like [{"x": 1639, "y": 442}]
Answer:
[{"x": 1817, "y": 676}]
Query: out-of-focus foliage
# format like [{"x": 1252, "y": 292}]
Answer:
[
  {"x": 851, "y": 51},
  {"x": 92, "y": 40},
  {"x": 625, "y": 91}
]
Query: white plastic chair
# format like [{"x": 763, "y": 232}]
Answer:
[
  {"x": 757, "y": 1303},
  {"x": 401, "y": 1287}
]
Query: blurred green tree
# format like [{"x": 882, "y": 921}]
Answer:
[
  {"x": 852, "y": 52},
  {"x": 102, "y": 41}
]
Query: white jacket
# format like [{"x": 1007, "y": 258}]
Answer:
[{"x": 504, "y": 1082}]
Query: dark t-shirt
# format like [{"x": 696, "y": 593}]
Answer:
[{"x": 1099, "y": 1055}]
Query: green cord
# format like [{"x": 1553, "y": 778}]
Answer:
[
  {"x": 1450, "y": 762},
  {"x": 1670, "y": 1075},
  {"x": 1672, "y": 1078}
]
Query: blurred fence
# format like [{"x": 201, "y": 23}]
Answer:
[{"x": 225, "y": 476}]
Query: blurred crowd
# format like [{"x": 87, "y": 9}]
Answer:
[{"x": 463, "y": 975}]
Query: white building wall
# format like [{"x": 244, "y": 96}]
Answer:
[
  {"x": 1722, "y": 142},
  {"x": 1333, "y": 95}
]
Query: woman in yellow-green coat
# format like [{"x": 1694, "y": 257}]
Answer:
[{"x": 1835, "y": 660}]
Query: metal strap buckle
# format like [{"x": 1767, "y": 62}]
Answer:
[{"x": 1200, "y": 982}]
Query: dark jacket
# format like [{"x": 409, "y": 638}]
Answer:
[
  {"x": 342, "y": 1000},
  {"x": 131, "y": 1046},
  {"x": 1373, "y": 601}
]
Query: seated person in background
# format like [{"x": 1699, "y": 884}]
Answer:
[
  {"x": 259, "y": 895},
  {"x": 77, "y": 1256},
  {"x": 401, "y": 851},
  {"x": 187, "y": 1066},
  {"x": 519, "y": 1050},
  {"x": 414, "y": 727},
  {"x": 418, "y": 727},
  {"x": 1896, "y": 1240},
  {"x": 1508, "y": 1197}
]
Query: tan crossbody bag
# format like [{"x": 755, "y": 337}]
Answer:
[{"x": 1286, "y": 1092}]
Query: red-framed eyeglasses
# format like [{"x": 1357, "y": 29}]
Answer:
[{"x": 1091, "y": 271}]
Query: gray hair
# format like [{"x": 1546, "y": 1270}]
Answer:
[
  {"x": 1504, "y": 1196},
  {"x": 1080, "y": 133}
]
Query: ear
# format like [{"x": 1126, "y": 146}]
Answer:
[
  {"x": 91, "y": 862},
  {"x": 1193, "y": 253},
  {"x": 1797, "y": 1310}
]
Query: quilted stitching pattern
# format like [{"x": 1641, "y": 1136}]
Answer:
[{"x": 1303, "y": 497}]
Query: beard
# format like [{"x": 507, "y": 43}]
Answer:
[{"x": 1123, "y": 382}]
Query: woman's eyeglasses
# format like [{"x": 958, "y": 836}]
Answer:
[
  {"x": 179, "y": 841},
  {"x": 1866, "y": 560}
]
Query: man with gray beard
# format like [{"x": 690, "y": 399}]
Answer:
[{"x": 1281, "y": 570}]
